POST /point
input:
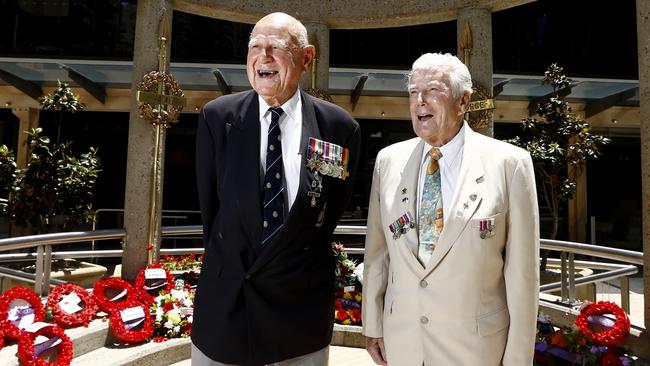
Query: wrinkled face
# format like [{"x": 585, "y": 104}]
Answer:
[
  {"x": 275, "y": 62},
  {"x": 434, "y": 111}
]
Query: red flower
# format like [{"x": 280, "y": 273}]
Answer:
[
  {"x": 105, "y": 304},
  {"x": 134, "y": 335},
  {"x": 82, "y": 317},
  {"x": 609, "y": 337},
  {"x": 609, "y": 358},
  {"x": 140, "y": 280},
  {"x": 10, "y": 330},
  {"x": 149, "y": 247},
  {"x": 338, "y": 305},
  {"x": 168, "y": 306},
  {"x": 341, "y": 315},
  {"x": 558, "y": 339},
  {"x": 355, "y": 315},
  {"x": 26, "y": 347},
  {"x": 2, "y": 339}
]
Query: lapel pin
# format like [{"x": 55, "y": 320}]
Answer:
[
  {"x": 465, "y": 206},
  {"x": 405, "y": 199},
  {"x": 403, "y": 190},
  {"x": 479, "y": 180},
  {"x": 472, "y": 196}
]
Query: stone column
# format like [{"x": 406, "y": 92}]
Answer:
[
  {"x": 141, "y": 141},
  {"x": 28, "y": 118},
  {"x": 319, "y": 36},
  {"x": 643, "y": 36},
  {"x": 480, "y": 55}
]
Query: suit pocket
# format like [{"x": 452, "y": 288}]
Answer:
[{"x": 494, "y": 322}]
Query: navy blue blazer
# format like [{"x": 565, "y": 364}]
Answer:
[{"x": 253, "y": 306}]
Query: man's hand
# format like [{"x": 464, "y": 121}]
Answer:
[{"x": 375, "y": 347}]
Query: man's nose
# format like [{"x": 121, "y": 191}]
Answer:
[{"x": 420, "y": 99}]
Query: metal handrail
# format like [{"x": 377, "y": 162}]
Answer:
[{"x": 613, "y": 271}]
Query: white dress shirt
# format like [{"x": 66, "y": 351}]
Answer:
[
  {"x": 449, "y": 165},
  {"x": 291, "y": 132}
]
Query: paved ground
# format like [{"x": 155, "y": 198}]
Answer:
[{"x": 347, "y": 356}]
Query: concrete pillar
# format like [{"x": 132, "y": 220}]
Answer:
[
  {"x": 141, "y": 141},
  {"x": 319, "y": 36},
  {"x": 480, "y": 56},
  {"x": 28, "y": 118},
  {"x": 643, "y": 36}
]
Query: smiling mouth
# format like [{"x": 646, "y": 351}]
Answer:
[
  {"x": 424, "y": 117},
  {"x": 266, "y": 74}
]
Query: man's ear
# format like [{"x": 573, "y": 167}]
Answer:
[
  {"x": 310, "y": 54},
  {"x": 464, "y": 102}
]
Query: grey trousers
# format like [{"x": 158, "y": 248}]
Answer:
[{"x": 318, "y": 358}]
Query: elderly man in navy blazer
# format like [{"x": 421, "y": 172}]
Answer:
[{"x": 274, "y": 168}]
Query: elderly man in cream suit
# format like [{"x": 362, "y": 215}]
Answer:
[{"x": 452, "y": 250}]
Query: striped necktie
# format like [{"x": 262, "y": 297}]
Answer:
[
  {"x": 430, "y": 221},
  {"x": 273, "y": 202}
]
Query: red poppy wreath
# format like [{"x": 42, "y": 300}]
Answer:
[
  {"x": 28, "y": 353},
  {"x": 71, "y": 305},
  {"x": 2, "y": 339},
  {"x": 153, "y": 279},
  {"x": 127, "y": 317},
  {"x": 124, "y": 292},
  {"x": 19, "y": 308},
  {"x": 609, "y": 337}
]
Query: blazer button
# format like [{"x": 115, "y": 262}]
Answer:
[
  {"x": 220, "y": 235},
  {"x": 424, "y": 320},
  {"x": 247, "y": 277},
  {"x": 423, "y": 284}
]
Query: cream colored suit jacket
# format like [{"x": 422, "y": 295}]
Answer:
[{"x": 475, "y": 302}]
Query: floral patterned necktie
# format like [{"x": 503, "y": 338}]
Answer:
[{"x": 430, "y": 220}]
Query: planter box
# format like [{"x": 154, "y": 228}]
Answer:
[{"x": 86, "y": 275}]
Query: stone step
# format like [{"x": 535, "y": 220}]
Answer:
[
  {"x": 187, "y": 362},
  {"x": 84, "y": 340},
  {"x": 146, "y": 354},
  {"x": 93, "y": 346}
]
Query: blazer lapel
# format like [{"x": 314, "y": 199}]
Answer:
[
  {"x": 405, "y": 201},
  {"x": 244, "y": 167},
  {"x": 301, "y": 205},
  {"x": 466, "y": 200}
]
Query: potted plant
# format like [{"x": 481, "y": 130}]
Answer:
[
  {"x": 560, "y": 144},
  {"x": 55, "y": 190}
]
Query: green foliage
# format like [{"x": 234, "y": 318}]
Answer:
[
  {"x": 61, "y": 99},
  {"x": 54, "y": 184},
  {"x": 560, "y": 144},
  {"x": 7, "y": 173}
]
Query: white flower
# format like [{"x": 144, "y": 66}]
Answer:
[
  {"x": 190, "y": 319},
  {"x": 544, "y": 318},
  {"x": 177, "y": 329},
  {"x": 169, "y": 324}
]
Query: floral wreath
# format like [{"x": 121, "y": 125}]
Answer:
[
  {"x": 141, "y": 281},
  {"x": 609, "y": 337},
  {"x": 118, "y": 327},
  {"x": 12, "y": 331},
  {"x": 173, "y": 314},
  {"x": 26, "y": 347},
  {"x": 99, "y": 293},
  {"x": 347, "y": 307},
  {"x": 2, "y": 340},
  {"x": 65, "y": 319}
]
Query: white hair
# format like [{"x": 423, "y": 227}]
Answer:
[
  {"x": 460, "y": 79},
  {"x": 296, "y": 29}
]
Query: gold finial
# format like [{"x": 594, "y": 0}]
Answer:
[{"x": 466, "y": 43}]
